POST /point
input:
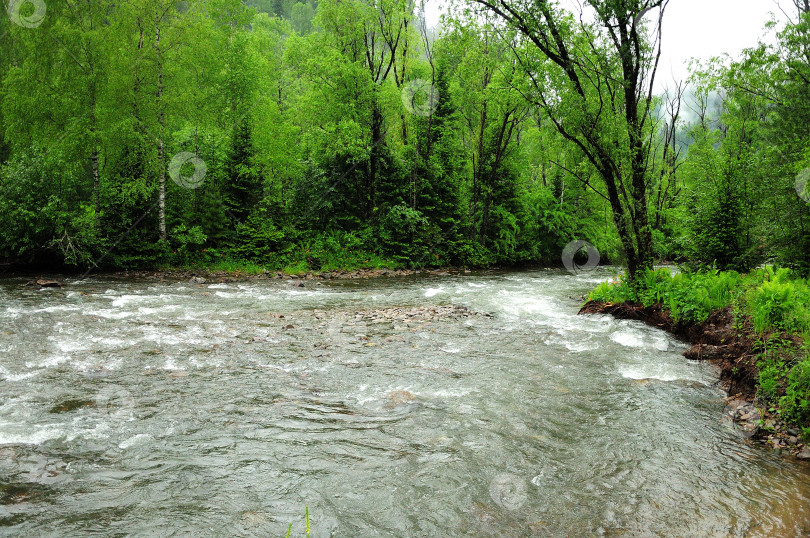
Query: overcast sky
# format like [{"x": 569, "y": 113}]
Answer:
[{"x": 697, "y": 29}]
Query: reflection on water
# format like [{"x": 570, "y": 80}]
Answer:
[{"x": 144, "y": 408}]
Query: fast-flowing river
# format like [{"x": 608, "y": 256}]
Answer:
[{"x": 466, "y": 405}]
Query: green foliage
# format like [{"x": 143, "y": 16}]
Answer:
[
  {"x": 795, "y": 403},
  {"x": 774, "y": 300},
  {"x": 258, "y": 238},
  {"x": 408, "y": 237},
  {"x": 784, "y": 379},
  {"x": 771, "y": 379},
  {"x": 36, "y": 221},
  {"x": 780, "y": 302},
  {"x": 296, "y": 108},
  {"x": 335, "y": 250},
  {"x": 689, "y": 297},
  {"x": 311, "y": 158},
  {"x": 186, "y": 244}
]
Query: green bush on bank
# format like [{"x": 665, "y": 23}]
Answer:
[{"x": 775, "y": 301}]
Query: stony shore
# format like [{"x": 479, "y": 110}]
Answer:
[
  {"x": 201, "y": 276},
  {"x": 204, "y": 276},
  {"x": 731, "y": 348}
]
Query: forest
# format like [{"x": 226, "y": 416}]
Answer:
[{"x": 328, "y": 134}]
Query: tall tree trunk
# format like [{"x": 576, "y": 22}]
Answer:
[
  {"x": 94, "y": 151},
  {"x": 478, "y": 171},
  {"x": 160, "y": 145},
  {"x": 374, "y": 162},
  {"x": 96, "y": 183}
]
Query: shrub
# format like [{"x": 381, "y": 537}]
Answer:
[
  {"x": 186, "y": 243},
  {"x": 780, "y": 302},
  {"x": 796, "y": 401},
  {"x": 408, "y": 237},
  {"x": 258, "y": 239},
  {"x": 688, "y": 296},
  {"x": 338, "y": 249}
]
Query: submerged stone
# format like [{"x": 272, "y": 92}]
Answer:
[{"x": 71, "y": 405}]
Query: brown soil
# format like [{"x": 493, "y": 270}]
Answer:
[{"x": 716, "y": 340}]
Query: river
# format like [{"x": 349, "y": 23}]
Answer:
[{"x": 461, "y": 405}]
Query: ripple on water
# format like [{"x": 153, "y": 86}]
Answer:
[{"x": 207, "y": 412}]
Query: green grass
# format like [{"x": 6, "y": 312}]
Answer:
[
  {"x": 289, "y": 529},
  {"x": 296, "y": 264},
  {"x": 773, "y": 299}
]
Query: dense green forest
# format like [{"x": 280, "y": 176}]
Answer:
[{"x": 347, "y": 133}]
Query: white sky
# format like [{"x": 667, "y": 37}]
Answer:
[{"x": 697, "y": 29}]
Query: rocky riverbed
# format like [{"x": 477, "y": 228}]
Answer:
[
  {"x": 201, "y": 276},
  {"x": 758, "y": 424}
]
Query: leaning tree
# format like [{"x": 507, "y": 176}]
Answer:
[{"x": 591, "y": 69}]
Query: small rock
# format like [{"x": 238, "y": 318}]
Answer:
[
  {"x": 8, "y": 454},
  {"x": 399, "y": 397},
  {"x": 259, "y": 339},
  {"x": 804, "y": 454},
  {"x": 48, "y": 284},
  {"x": 288, "y": 327},
  {"x": 793, "y": 431},
  {"x": 197, "y": 280},
  {"x": 793, "y": 441}
]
